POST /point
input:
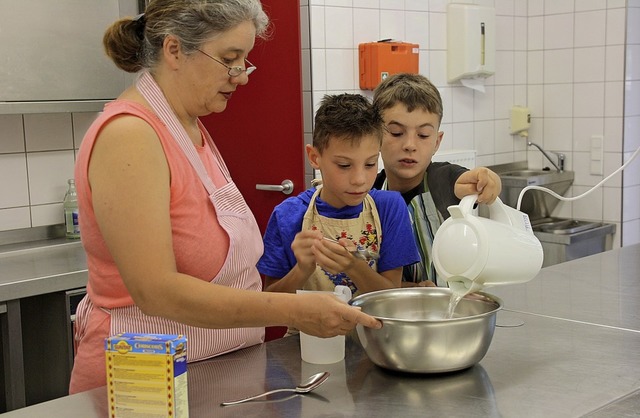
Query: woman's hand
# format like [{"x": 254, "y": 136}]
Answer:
[{"x": 324, "y": 315}]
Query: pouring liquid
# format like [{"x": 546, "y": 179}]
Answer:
[{"x": 453, "y": 303}]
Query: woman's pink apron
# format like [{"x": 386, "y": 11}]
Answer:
[{"x": 238, "y": 271}]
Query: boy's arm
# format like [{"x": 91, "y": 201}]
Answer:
[
  {"x": 305, "y": 266},
  {"x": 480, "y": 180}
]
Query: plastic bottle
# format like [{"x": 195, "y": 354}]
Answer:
[{"x": 70, "y": 205}]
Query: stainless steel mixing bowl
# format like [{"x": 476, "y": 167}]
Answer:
[{"x": 416, "y": 337}]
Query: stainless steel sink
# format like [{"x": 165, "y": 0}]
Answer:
[
  {"x": 537, "y": 204},
  {"x": 564, "y": 226}
]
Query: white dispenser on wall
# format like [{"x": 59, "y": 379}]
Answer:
[{"x": 470, "y": 43}]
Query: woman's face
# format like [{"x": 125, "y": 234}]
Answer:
[{"x": 211, "y": 85}]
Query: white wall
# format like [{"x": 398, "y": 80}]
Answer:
[{"x": 564, "y": 59}]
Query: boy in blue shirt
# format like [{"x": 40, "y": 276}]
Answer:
[{"x": 299, "y": 252}]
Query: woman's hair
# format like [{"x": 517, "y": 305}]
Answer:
[
  {"x": 347, "y": 117},
  {"x": 415, "y": 91},
  {"x": 135, "y": 43}
]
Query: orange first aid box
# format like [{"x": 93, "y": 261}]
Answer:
[
  {"x": 147, "y": 375},
  {"x": 379, "y": 60}
]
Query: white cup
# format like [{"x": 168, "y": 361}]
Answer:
[{"x": 324, "y": 350}]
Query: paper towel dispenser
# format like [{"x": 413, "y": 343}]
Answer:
[
  {"x": 470, "y": 41},
  {"x": 379, "y": 60}
]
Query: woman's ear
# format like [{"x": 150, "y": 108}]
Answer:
[
  {"x": 172, "y": 51},
  {"x": 313, "y": 155}
]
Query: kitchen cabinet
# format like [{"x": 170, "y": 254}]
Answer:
[{"x": 38, "y": 289}]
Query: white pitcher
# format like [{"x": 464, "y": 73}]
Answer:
[{"x": 473, "y": 252}]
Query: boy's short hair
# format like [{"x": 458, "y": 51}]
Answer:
[
  {"x": 415, "y": 91},
  {"x": 347, "y": 117}
]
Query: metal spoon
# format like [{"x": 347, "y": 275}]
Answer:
[
  {"x": 360, "y": 252},
  {"x": 305, "y": 387}
]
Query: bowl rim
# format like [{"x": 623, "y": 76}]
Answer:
[{"x": 486, "y": 298}]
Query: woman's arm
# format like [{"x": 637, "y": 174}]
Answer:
[{"x": 129, "y": 179}]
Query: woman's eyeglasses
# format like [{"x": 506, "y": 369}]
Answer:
[{"x": 236, "y": 70}]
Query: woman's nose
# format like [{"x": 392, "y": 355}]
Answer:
[{"x": 241, "y": 79}]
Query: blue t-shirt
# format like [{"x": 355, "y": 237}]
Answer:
[{"x": 398, "y": 247}]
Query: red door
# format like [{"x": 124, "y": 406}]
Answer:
[{"x": 260, "y": 135}]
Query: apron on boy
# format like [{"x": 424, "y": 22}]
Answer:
[{"x": 365, "y": 230}]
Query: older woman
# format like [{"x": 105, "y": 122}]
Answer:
[{"x": 171, "y": 244}]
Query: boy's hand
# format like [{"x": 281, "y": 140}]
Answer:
[
  {"x": 302, "y": 247},
  {"x": 480, "y": 180},
  {"x": 335, "y": 257}
]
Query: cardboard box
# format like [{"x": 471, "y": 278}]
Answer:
[
  {"x": 147, "y": 375},
  {"x": 379, "y": 60}
]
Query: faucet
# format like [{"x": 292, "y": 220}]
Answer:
[{"x": 560, "y": 165}]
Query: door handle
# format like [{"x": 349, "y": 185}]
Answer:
[{"x": 285, "y": 187}]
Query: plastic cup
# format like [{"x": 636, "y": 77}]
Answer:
[{"x": 318, "y": 350}]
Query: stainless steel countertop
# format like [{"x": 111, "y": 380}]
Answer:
[
  {"x": 41, "y": 268},
  {"x": 558, "y": 363}
]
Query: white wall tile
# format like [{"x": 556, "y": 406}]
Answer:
[
  {"x": 588, "y": 100},
  {"x": 504, "y": 68},
  {"x": 520, "y": 34},
  {"x": 590, "y": 28},
  {"x": 589, "y": 64},
  {"x": 318, "y": 69},
  {"x": 48, "y": 175},
  {"x": 14, "y": 186},
  {"x": 305, "y": 21},
  {"x": 437, "y": 66},
  {"x": 616, "y": 34},
  {"x": 340, "y": 69},
  {"x": 557, "y": 6},
  {"x": 417, "y": 28},
  {"x": 367, "y": 22},
  {"x": 462, "y": 136},
  {"x": 418, "y": 5},
  {"x": 614, "y": 99},
  {"x": 48, "y": 131},
  {"x": 612, "y": 163},
  {"x": 11, "y": 134},
  {"x": 504, "y": 33},
  {"x": 338, "y": 27},
  {"x": 631, "y": 233},
  {"x": 535, "y": 33},
  {"x": 484, "y": 104},
  {"x": 484, "y": 137},
  {"x": 558, "y": 100},
  {"x": 632, "y": 133},
  {"x": 462, "y": 104},
  {"x": 392, "y": 4},
  {"x": 613, "y": 134},
  {"x": 535, "y": 8},
  {"x": 371, "y": 4},
  {"x": 558, "y": 134},
  {"x": 558, "y": 31},
  {"x": 535, "y": 67},
  {"x": 631, "y": 173},
  {"x": 558, "y": 66},
  {"x": 317, "y": 26},
  {"x": 583, "y": 130},
  {"x": 341, "y": 3},
  {"x": 520, "y": 67},
  {"x": 631, "y": 207},
  {"x": 438, "y": 31},
  {"x": 42, "y": 215},
  {"x": 15, "y": 218},
  {"x": 615, "y": 62},
  {"x": 612, "y": 204},
  {"x": 584, "y": 5},
  {"x": 392, "y": 25},
  {"x": 633, "y": 63}
]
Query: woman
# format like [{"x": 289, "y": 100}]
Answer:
[{"x": 171, "y": 245}]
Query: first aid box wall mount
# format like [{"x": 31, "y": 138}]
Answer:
[{"x": 378, "y": 60}]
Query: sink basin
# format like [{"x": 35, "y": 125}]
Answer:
[
  {"x": 535, "y": 203},
  {"x": 565, "y": 226},
  {"x": 530, "y": 177}
]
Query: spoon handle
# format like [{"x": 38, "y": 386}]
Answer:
[{"x": 250, "y": 398}]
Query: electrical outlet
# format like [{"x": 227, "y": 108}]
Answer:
[{"x": 597, "y": 155}]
